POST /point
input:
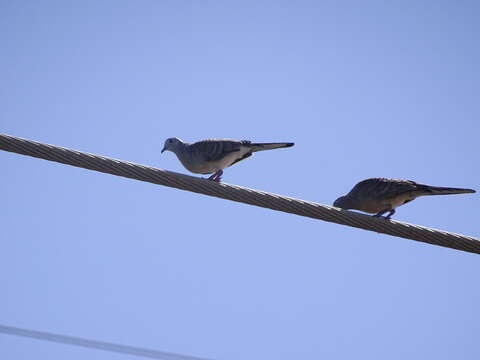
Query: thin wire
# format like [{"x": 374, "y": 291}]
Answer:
[
  {"x": 238, "y": 193},
  {"x": 93, "y": 344}
]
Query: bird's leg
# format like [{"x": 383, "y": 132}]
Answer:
[
  {"x": 217, "y": 176},
  {"x": 380, "y": 213},
  {"x": 390, "y": 213}
]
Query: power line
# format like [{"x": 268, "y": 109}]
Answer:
[
  {"x": 93, "y": 344},
  {"x": 238, "y": 193}
]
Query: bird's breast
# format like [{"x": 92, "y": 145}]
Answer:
[{"x": 376, "y": 205}]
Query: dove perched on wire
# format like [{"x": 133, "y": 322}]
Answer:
[
  {"x": 212, "y": 156},
  {"x": 379, "y": 195}
]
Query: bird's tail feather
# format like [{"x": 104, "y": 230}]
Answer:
[
  {"x": 437, "y": 190},
  {"x": 270, "y": 146}
]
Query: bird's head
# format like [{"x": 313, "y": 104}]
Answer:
[
  {"x": 343, "y": 202},
  {"x": 172, "y": 144}
]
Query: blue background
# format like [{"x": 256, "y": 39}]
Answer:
[{"x": 364, "y": 89}]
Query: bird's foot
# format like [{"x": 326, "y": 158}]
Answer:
[
  {"x": 389, "y": 215},
  {"x": 217, "y": 176},
  {"x": 381, "y": 217},
  {"x": 391, "y": 212}
]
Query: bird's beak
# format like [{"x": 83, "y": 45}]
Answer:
[{"x": 162, "y": 151}]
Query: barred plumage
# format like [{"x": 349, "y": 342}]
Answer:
[
  {"x": 380, "y": 195},
  {"x": 214, "y": 155}
]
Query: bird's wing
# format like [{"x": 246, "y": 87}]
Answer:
[
  {"x": 381, "y": 188},
  {"x": 213, "y": 150}
]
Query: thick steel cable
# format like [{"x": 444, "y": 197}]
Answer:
[
  {"x": 94, "y": 344},
  {"x": 239, "y": 194}
]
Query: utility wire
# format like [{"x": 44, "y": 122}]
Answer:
[
  {"x": 239, "y": 194},
  {"x": 93, "y": 344}
]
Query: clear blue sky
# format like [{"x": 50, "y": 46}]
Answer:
[{"x": 364, "y": 89}]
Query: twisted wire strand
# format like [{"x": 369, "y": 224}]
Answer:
[
  {"x": 238, "y": 194},
  {"x": 95, "y": 344}
]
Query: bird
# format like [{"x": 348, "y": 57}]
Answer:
[
  {"x": 213, "y": 155},
  {"x": 380, "y": 195}
]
